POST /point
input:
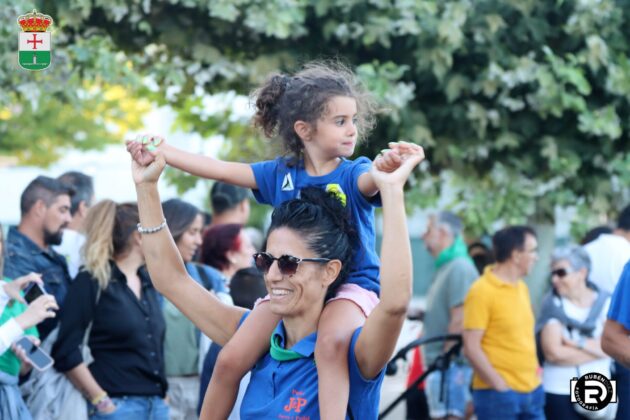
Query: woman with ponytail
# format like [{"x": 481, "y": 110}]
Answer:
[
  {"x": 309, "y": 252},
  {"x": 112, "y": 298}
]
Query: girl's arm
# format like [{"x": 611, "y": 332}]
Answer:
[
  {"x": 215, "y": 319},
  {"x": 377, "y": 340},
  {"x": 236, "y": 173}
]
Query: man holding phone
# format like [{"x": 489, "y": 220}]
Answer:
[{"x": 45, "y": 213}]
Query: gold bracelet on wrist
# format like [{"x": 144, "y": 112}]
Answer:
[{"x": 100, "y": 397}]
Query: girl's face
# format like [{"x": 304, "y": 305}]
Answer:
[
  {"x": 293, "y": 295},
  {"x": 191, "y": 240},
  {"x": 336, "y": 132}
]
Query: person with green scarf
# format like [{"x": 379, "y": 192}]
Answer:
[{"x": 455, "y": 273}]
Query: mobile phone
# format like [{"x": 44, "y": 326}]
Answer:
[
  {"x": 38, "y": 357},
  {"x": 33, "y": 292}
]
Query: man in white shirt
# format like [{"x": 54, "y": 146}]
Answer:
[
  {"x": 609, "y": 253},
  {"x": 73, "y": 237}
]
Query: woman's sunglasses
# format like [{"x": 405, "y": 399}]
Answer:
[
  {"x": 560, "y": 272},
  {"x": 287, "y": 264}
]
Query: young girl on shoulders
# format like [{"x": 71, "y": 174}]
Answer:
[{"x": 320, "y": 114}]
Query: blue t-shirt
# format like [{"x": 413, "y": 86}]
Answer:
[
  {"x": 619, "y": 310},
  {"x": 278, "y": 183},
  {"x": 288, "y": 390}
]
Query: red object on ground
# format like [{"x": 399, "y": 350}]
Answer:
[{"x": 416, "y": 369}]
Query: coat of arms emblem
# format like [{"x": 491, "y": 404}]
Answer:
[{"x": 35, "y": 41}]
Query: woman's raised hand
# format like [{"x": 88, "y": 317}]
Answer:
[{"x": 147, "y": 172}]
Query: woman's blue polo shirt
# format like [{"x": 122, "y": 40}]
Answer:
[{"x": 288, "y": 390}]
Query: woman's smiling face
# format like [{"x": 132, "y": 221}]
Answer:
[{"x": 293, "y": 295}]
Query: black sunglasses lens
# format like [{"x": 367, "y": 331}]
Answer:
[
  {"x": 288, "y": 265},
  {"x": 561, "y": 272},
  {"x": 263, "y": 262}
]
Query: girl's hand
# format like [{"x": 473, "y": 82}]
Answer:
[
  {"x": 409, "y": 160},
  {"x": 390, "y": 160},
  {"x": 144, "y": 148},
  {"x": 150, "y": 172},
  {"x": 13, "y": 288},
  {"x": 393, "y": 157}
]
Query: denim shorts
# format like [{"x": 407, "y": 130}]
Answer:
[
  {"x": 491, "y": 404},
  {"x": 456, "y": 391},
  {"x": 135, "y": 408}
]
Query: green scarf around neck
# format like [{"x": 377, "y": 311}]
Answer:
[
  {"x": 456, "y": 250},
  {"x": 281, "y": 354}
]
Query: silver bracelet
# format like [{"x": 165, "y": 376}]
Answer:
[{"x": 152, "y": 229}]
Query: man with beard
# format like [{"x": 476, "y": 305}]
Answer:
[{"x": 45, "y": 212}]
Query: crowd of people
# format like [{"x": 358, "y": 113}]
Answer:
[
  {"x": 517, "y": 363},
  {"x": 142, "y": 350},
  {"x": 151, "y": 311}
]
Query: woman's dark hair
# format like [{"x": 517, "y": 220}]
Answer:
[
  {"x": 481, "y": 255},
  {"x": 179, "y": 216},
  {"x": 324, "y": 223},
  {"x": 284, "y": 99},
  {"x": 217, "y": 241}
]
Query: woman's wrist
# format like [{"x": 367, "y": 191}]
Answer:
[
  {"x": 392, "y": 190},
  {"x": 146, "y": 185},
  {"x": 95, "y": 399},
  {"x": 102, "y": 402}
]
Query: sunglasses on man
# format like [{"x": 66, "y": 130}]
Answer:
[{"x": 287, "y": 264}]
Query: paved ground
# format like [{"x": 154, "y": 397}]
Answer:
[{"x": 393, "y": 386}]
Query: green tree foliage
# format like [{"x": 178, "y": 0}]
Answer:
[
  {"x": 522, "y": 105},
  {"x": 84, "y": 100}
]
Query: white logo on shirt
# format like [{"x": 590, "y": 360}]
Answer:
[{"x": 287, "y": 183}]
